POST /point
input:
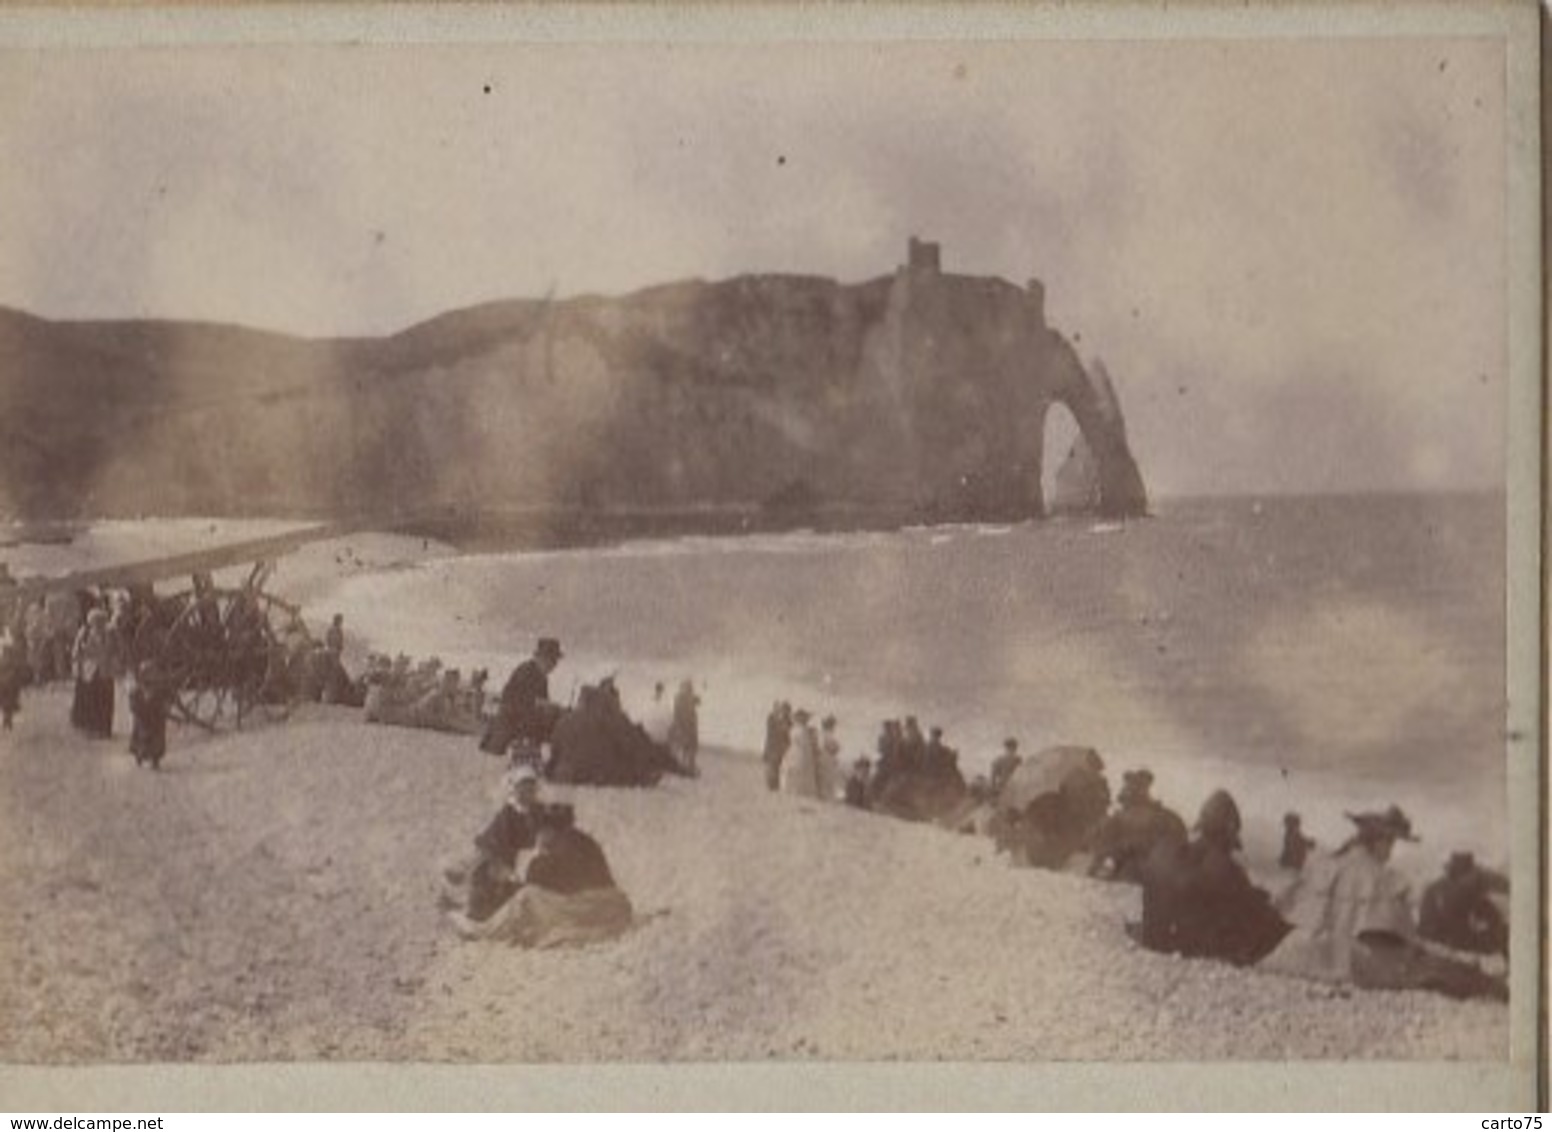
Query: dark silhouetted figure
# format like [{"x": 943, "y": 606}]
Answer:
[
  {"x": 1127, "y": 838},
  {"x": 778, "y": 738},
  {"x": 857, "y": 784},
  {"x": 149, "y": 701},
  {"x": 1458, "y": 911},
  {"x": 1296, "y": 846},
  {"x": 1197, "y": 901},
  {"x": 525, "y": 711}
]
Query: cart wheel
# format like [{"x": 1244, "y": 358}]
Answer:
[
  {"x": 204, "y": 706},
  {"x": 191, "y": 652},
  {"x": 273, "y": 695}
]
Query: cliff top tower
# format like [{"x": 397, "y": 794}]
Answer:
[{"x": 924, "y": 255}]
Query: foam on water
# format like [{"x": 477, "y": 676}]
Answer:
[{"x": 1315, "y": 655}]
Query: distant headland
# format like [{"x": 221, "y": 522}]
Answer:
[{"x": 917, "y": 396}]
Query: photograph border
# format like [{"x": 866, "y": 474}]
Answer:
[{"x": 1515, "y": 1084}]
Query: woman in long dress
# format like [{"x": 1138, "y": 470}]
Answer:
[
  {"x": 829, "y": 762},
  {"x": 800, "y": 768},
  {"x": 13, "y": 677},
  {"x": 92, "y": 709},
  {"x": 684, "y": 734}
]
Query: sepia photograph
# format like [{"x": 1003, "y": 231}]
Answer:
[{"x": 573, "y": 539}]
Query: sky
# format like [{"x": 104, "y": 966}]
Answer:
[{"x": 1289, "y": 254}]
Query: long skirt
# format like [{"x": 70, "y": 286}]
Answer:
[
  {"x": 10, "y": 692},
  {"x": 537, "y": 917},
  {"x": 92, "y": 709}
]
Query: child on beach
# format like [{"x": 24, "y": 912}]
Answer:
[
  {"x": 149, "y": 701},
  {"x": 1296, "y": 846}
]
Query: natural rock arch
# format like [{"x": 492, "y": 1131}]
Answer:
[{"x": 1091, "y": 399}]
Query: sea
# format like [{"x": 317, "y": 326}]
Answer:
[{"x": 1319, "y": 655}]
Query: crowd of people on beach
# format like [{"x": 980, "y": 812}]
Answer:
[
  {"x": 400, "y": 691},
  {"x": 102, "y": 637},
  {"x": 910, "y": 778},
  {"x": 1347, "y": 916},
  {"x": 86, "y": 637},
  {"x": 1343, "y": 917}
]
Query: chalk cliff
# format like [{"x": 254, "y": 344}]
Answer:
[{"x": 920, "y": 391}]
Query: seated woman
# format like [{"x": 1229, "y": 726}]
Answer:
[
  {"x": 1198, "y": 901},
  {"x": 568, "y": 895},
  {"x": 1353, "y": 922},
  {"x": 480, "y": 883}
]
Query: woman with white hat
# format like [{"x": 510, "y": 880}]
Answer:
[{"x": 484, "y": 879}]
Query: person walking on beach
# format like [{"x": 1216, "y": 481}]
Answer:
[
  {"x": 778, "y": 738},
  {"x": 526, "y": 711}
]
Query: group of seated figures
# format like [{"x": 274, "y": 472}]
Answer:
[
  {"x": 1346, "y": 917},
  {"x": 424, "y": 695}
]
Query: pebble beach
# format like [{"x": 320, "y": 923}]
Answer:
[{"x": 270, "y": 896}]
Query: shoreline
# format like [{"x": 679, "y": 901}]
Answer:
[
  {"x": 540, "y": 528},
  {"x": 737, "y": 693},
  {"x": 369, "y": 572}
]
